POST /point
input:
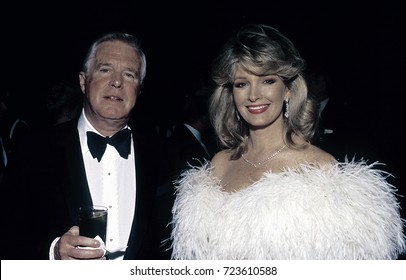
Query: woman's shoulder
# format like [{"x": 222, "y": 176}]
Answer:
[
  {"x": 312, "y": 154},
  {"x": 296, "y": 158},
  {"x": 320, "y": 155},
  {"x": 219, "y": 161},
  {"x": 220, "y": 156}
]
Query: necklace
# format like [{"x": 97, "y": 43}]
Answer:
[{"x": 257, "y": 165}]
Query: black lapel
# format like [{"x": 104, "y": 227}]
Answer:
[{"x": 69, "y": 154}]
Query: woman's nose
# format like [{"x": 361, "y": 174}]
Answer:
[{"x": 254, "y": 94}]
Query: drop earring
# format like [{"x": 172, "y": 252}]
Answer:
[{"x": 286, "y": 114}]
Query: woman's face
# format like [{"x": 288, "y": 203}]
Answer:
[{"x": 259, "y": 99}]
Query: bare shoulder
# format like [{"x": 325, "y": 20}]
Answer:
[
  {"x": 320, "y": 156},
  {"x": 313, "y": 155},
  {"x": 219, "y": 162},
  {"x": 219, "y": 158}
]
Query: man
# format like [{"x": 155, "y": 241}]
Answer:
[
  {"x": 190, "y": 144},
  {"x": 58, "y": 171},
  {"x": 13, "y": 127}
]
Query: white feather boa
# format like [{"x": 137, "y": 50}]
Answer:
[{"x": 347, "y": 211}]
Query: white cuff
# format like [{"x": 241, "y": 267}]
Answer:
[{"x": 51, "y": 249}]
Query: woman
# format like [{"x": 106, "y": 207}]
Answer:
[{"x": 270, "y": 194}]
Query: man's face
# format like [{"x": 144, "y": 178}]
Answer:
[{"x": 112, "y": 84}]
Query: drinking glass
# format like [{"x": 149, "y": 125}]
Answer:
[{"x": 93, "y": 221}]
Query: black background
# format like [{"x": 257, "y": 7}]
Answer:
[{"x": 362, "y": 46}]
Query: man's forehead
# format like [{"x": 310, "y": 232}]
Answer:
[{"x": 116, "y": 51}]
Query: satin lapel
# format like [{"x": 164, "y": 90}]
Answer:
[
  {"x": 139, "y": 245},
  {"x": 134, "y": 242},
  {"x": 70, "y": 154},
  {"x": 193, "y": 144},
  {"x": 190, "y": 151}
]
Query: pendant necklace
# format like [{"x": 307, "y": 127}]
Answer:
[{"x": 259, "y": 164}]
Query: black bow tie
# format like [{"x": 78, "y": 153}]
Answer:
[{"x": 121, "y": 141}]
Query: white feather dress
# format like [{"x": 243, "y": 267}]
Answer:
[{"x": 346, "y": 211}]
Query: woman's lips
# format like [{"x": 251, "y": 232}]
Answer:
[{"x": 258, "y": 109}]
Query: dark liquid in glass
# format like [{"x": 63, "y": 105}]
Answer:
[{"x": 93, "y": 223}]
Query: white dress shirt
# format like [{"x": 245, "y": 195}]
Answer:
[{"x": 112, "y": 184}]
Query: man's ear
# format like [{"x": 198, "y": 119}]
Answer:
[{"x": 82, "y": 81}]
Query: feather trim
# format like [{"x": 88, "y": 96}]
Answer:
[{"x": 345, "y": 211}]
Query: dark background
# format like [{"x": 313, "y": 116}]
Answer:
[{"x": 362, "y": 47}]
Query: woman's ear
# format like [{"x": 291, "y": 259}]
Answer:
[{"x": 287, "y": 96}]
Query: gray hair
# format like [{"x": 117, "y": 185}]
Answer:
[{"x": 117, "y": 36}]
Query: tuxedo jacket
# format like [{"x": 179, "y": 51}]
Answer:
[
  {"x": 339, "y": 132},
  {"x": 185, "y": 149},
  {"x": 46, "y": 183},
  {"x": 181, "y": 149}
]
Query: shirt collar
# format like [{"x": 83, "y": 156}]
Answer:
[{"x": 83, "y": 126}]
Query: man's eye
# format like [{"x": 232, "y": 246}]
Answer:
[{"x": 130, "y": 75}]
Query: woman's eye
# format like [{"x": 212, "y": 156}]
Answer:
[
  {"x": 239, "y": 85},
  {"x": 270, "y": 81}
]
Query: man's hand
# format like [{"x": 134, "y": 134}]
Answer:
[{"x": 69, "y": 246}]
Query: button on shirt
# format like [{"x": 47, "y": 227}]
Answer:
[{"x": 112, "y": 184}]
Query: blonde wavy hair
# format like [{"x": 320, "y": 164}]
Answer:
[{"x": 260, "y": 50}]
